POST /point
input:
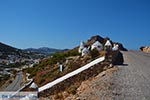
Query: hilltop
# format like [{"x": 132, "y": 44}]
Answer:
[
  {"x": 48, "y": 69},
  {"x": 102, "y": 41}
]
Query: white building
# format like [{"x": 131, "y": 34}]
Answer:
[
  {"x": 115, "y": 47},
  {"x": 36, "y": 61},
  {"x": 97, "y": 45},
  {"x": 82, "y": 45},
  {"x": 60, "y": 67},
  {"x": 85, "y": 51},
  {"x": 108, "y": 45}
]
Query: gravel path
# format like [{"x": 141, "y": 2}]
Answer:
[{"x": 132, "y": 81}]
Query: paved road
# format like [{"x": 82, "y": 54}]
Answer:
[
  {"x": 132, "y": 81},
  {"x": 15, "y": 85}
]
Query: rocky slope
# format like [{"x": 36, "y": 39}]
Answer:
[
  {"x": 145, "y": 49},
  {"x": 98, "y": 87}
]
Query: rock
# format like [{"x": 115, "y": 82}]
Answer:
[
  {"x": 117, "y": 58},
  {"x": 65, "y": 94},
  {"x": 145, "y": 49}
]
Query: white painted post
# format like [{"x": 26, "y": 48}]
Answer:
[{"x": 61, "y": 67}]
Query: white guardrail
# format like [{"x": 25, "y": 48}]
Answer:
[
  {"x": 25, "y": 85},
  {"x": 77, "y": 71}
]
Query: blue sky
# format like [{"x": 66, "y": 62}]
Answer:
[{"x": 64, "y": 23}]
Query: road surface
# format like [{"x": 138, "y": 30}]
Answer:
[
  {"x": 15, "y": 85},
  {"x": 132, "y": 81}
]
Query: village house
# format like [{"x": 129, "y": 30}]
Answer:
[
  {"x": 82, "y": 45},
  {"x": 115, "y": 47},
  {"x": 108, "y": 45},
  {"x": 97, "y": 45},
  {"x": 85, "y": 51}
]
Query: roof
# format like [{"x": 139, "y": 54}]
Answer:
[
  {"x": 108, "y": 43},
  {"x": 85, "y": 50},
  {"x": 97, "y": 43}
]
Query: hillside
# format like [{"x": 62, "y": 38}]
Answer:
[
  {"x": 48, "y": 69},
  {"x": 14, "y": 57},
  {"x": 8, "y": 49}
]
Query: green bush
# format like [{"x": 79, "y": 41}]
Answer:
[
  {"x": 60, "y": 57},
  {"x": 6, "y": 77},
  {"x": 32, "y": 71},
  {"x": 42, "y": 80},
  {"x": 94, "y": 53}
]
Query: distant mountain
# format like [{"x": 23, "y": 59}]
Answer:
[
  {"x": 8, "y": 52},
  {"x": 44, "y": 50}
]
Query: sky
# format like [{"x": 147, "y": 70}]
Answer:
[{"x": 65, "y": 23}]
